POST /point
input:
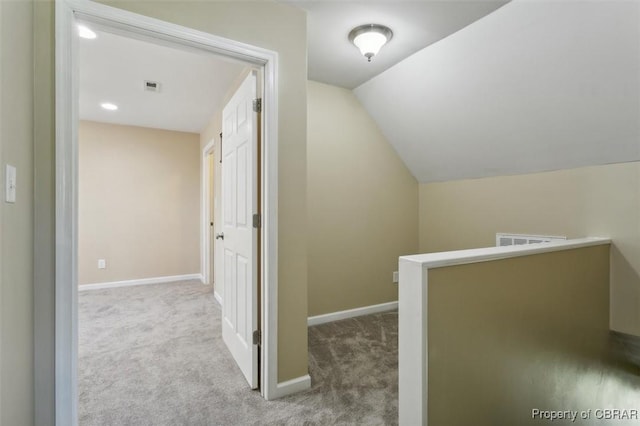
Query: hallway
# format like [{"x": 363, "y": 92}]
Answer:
[{"x": 154, "y": 355}]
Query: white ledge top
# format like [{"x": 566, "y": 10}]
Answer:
[{"x": 460, "y": 257}]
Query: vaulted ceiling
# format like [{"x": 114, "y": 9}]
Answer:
[{"x": 534, "y": 86}]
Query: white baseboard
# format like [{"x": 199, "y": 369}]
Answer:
[
  {"x": 143, "y": 281},
  {"x": 351, "y": 313},
  {"x": 218, "y": 297},
  {"x": 292, "y": 386}
]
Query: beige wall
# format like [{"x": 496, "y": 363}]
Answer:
[
  {"x": 512, "y": 335},
  {"x": 44, "y": 246},
  {"x": 591, "y": 201},
  {"x": 17, "y": 220},
  {"x": 138, "y": 202},
  {"x": 362, "y": 201}
]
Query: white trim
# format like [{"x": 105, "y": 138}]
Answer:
[
  {"x": 412, "y": 345},
  {"x": 205, "y": 214},
  {"x": 218, "y": 297},
  {"x": 292, "y": 386},
  {"x": 459, "y": 257},
  {"x": 269, "y": 142},
  {"x": 412, "y": 314},
  {"x": 142, "y": 281},
  {"x": 66, "y": 78},
  {"x": 66, "y": 247},
  {"x": 351, "y": 313}
]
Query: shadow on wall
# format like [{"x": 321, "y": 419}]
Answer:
[{"x": 625, "y": 282}]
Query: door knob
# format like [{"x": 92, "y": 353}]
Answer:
[{"x": 220, "y": 236}]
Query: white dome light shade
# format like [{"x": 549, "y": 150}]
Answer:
[
  {"x": 370, "y": 38},
  {"x": 370, "y": 43},
  {"x": 85, "y": 32}
]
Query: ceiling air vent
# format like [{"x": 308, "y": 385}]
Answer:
[
  {"x": 151, "y": 86},
  {"x": 520, "y": 239}
]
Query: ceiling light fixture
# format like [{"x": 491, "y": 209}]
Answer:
[
  {"x": 85, "y": 32},
  {"x": 109, "y": 106},
  {"x": 370, "y": 38}
]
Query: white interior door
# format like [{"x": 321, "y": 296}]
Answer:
[{"x": 239, "y": 192}]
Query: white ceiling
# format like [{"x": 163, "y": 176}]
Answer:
[
  {"x": 113, "y": 69},
  {"x": 534, "y": 86},
  {"x": 415, "y": 25}
]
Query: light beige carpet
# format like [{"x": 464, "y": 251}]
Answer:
[{"x": 153, "y": 355}]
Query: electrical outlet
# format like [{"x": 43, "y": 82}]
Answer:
[
  {"x": 395, "y": 277},
  {"x": 102, "y": 264}
]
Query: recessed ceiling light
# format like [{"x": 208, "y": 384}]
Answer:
[
  {"x": 85, "y": 32},
  {"x": 109, "y": 106}
]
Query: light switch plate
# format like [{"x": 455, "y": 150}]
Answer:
[
  {"x": 395, "y": 277},
  {"x": 10, "y": 184},
  {"x": 102, "y": 264}
]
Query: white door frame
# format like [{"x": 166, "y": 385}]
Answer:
[
  {"x": 206, "y": 243},
  {"x": 66, "y": 98}
]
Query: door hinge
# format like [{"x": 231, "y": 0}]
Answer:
[
  {"x": 257, "y": 220},
  {"x": 257, "y": 337},
  {"x": 257, "y": 105}
]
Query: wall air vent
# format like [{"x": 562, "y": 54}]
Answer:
[
  {"x": 520, "y": 239},
  {"x": 152, "y": 86}
]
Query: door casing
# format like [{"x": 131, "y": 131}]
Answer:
[
  {"x": 67, "y": 13},
  {"x": 206, "y": 243}
]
